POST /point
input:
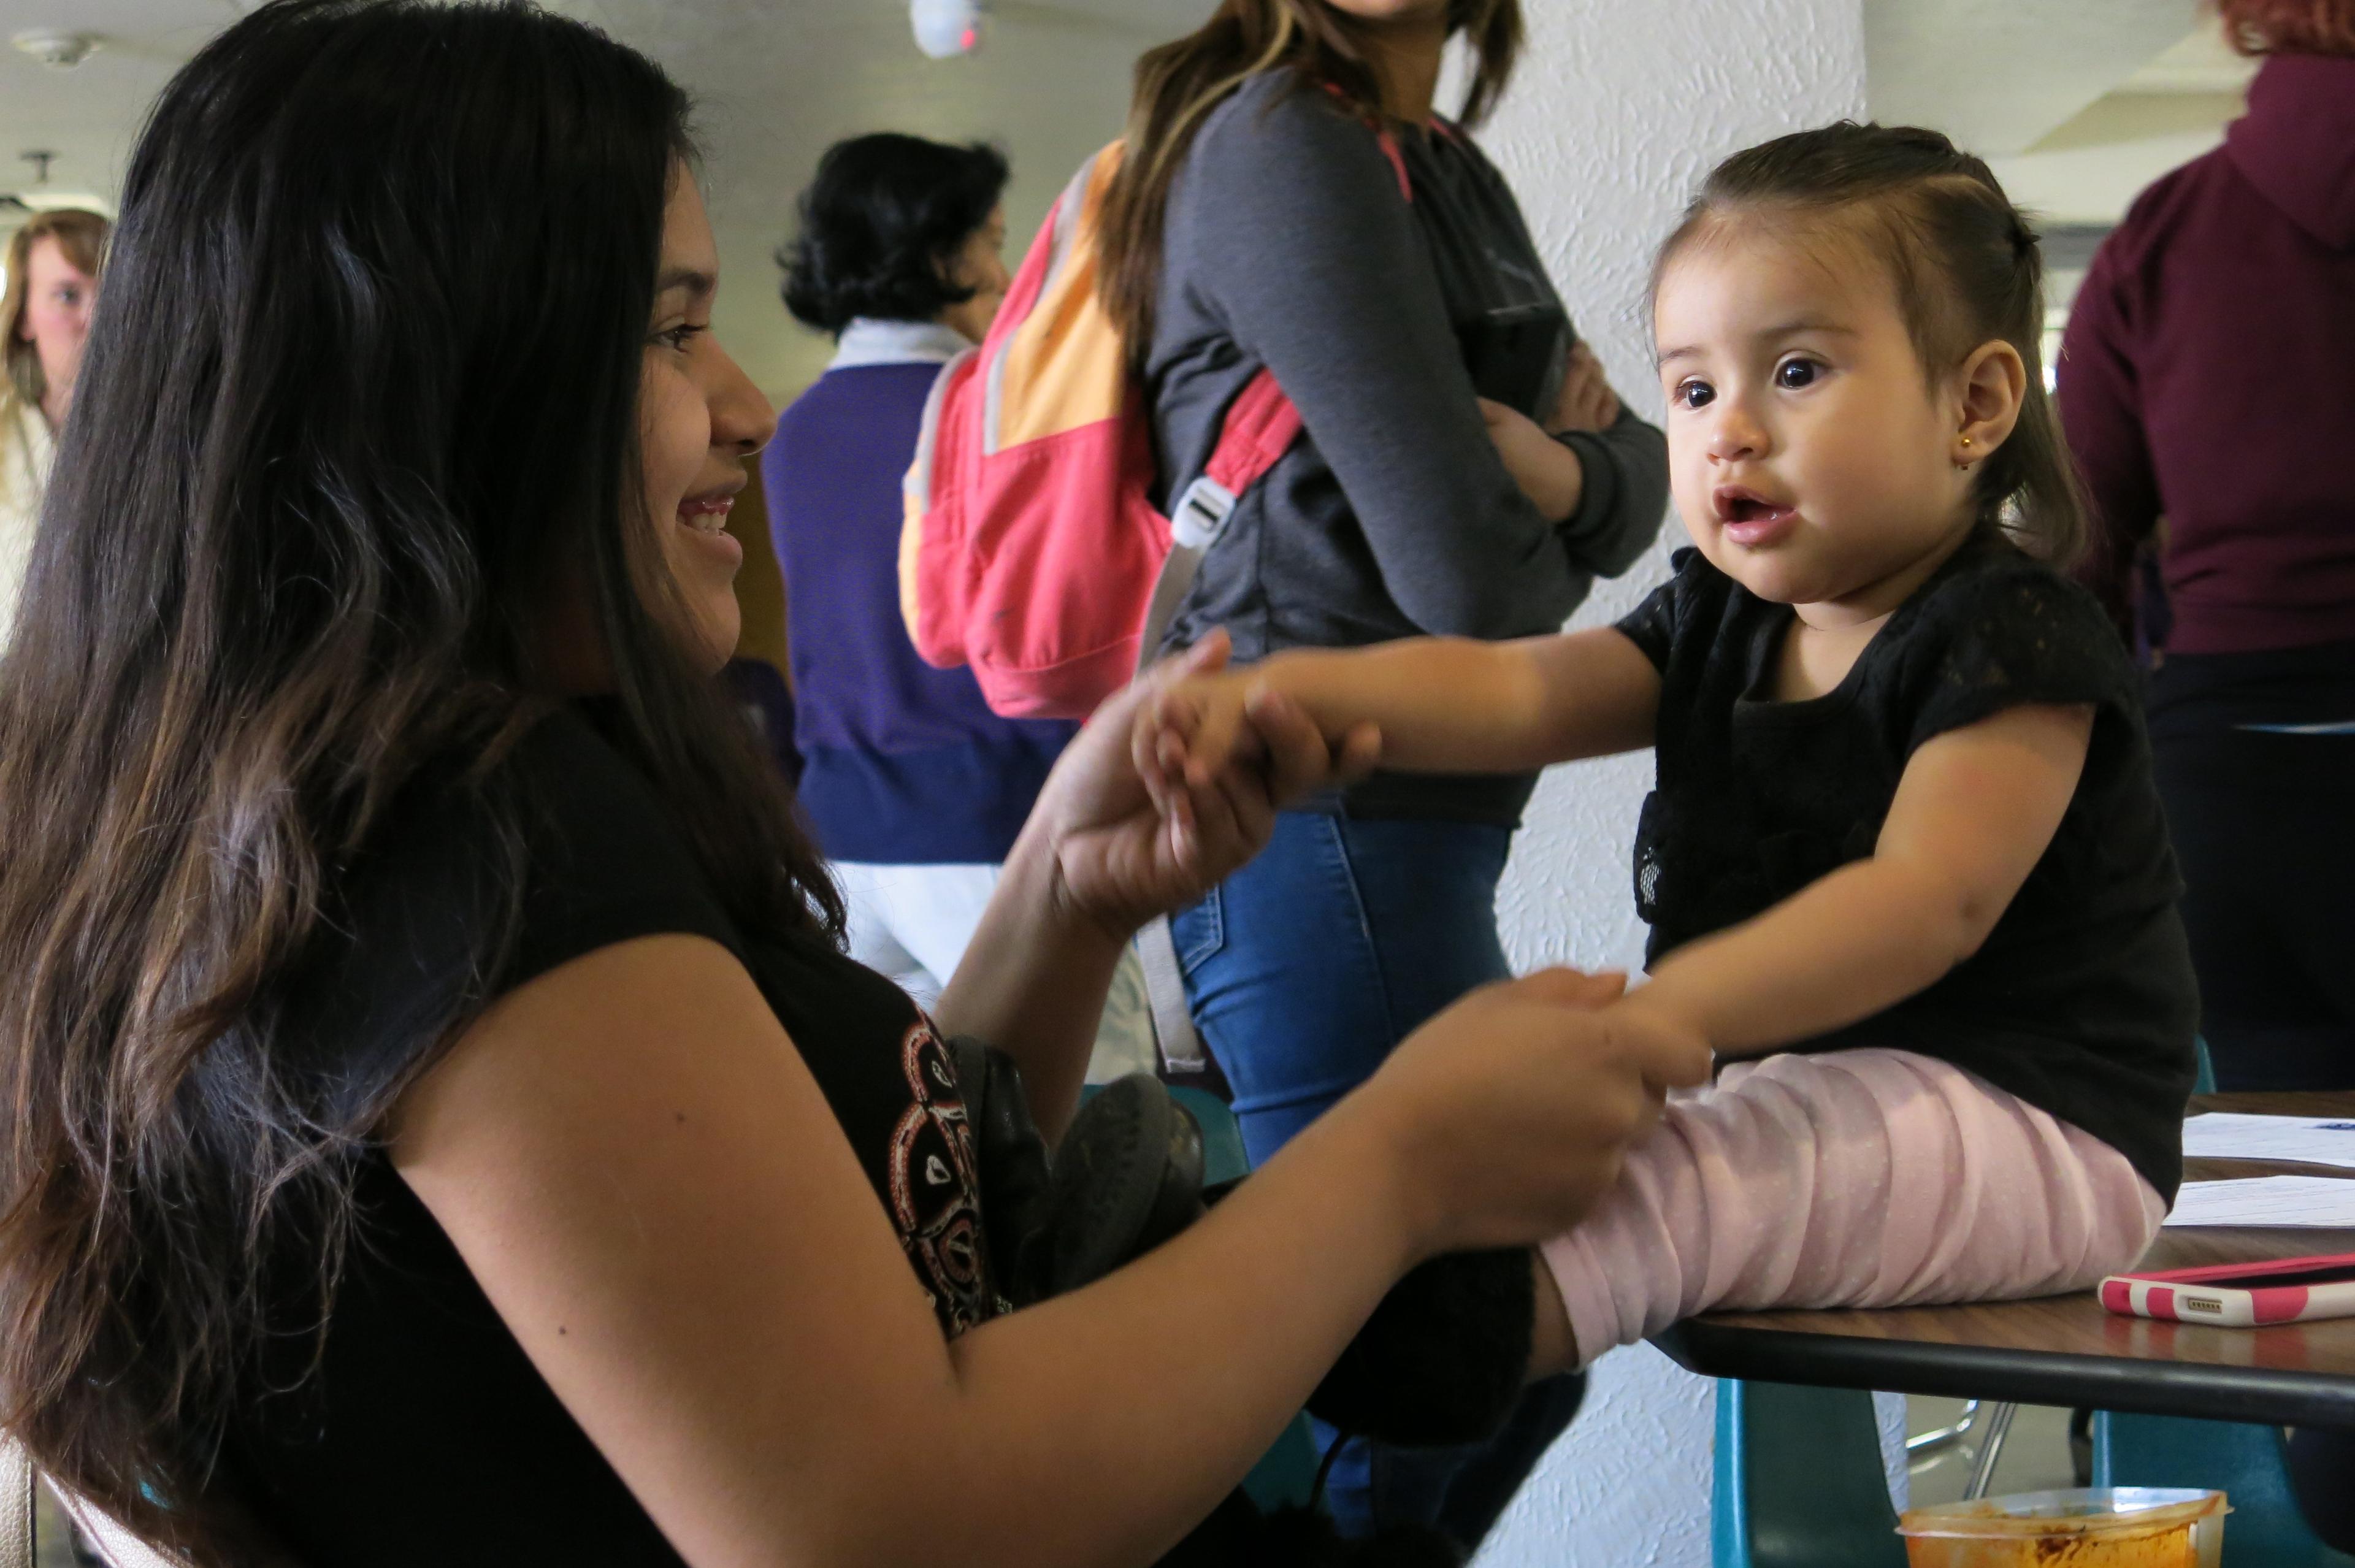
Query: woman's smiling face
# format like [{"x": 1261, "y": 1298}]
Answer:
[{"x": 699, "y": 418}]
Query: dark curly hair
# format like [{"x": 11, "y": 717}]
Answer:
[{"x": 881, "y": 226}]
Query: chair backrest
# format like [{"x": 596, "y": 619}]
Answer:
[
  {"x": 1799, "y": 1482},
  {"x": 2246, "y": 1463}
]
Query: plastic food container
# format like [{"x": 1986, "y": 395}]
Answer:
[{"x": 2093, "y": 1527}]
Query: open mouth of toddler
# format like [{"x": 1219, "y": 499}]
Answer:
[{"x": 1736, "y": 505}]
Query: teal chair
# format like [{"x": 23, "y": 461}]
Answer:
[
  {"x": 2245, "y": 1462},
  {"x": 1799, "y": 1481}
]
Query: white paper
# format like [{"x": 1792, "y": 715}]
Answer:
[
  {"x": 2318, "y": 1203},
  {"x": 2306, "y": 1140}
]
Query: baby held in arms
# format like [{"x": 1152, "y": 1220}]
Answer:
[{"x": 1904, "y": 866}]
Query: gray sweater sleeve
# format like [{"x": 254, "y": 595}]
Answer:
[
  {"x": 1623, "y": 495},
  {"x": 1287, "y": 225}
]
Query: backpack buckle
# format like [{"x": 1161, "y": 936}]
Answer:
[{"x": 1200, "y": 512}]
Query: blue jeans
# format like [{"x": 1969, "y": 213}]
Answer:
[{"x": 1304, "y": 970}]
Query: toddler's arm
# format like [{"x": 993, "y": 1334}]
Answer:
[
  {"x": 1974, "y": 812},
  {"x": 1441, "y": 704}
]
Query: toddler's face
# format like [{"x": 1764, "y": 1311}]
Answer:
[{"x": 1810, "y": 458}]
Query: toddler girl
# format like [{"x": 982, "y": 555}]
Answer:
[{"x": 1904, "y": 867}]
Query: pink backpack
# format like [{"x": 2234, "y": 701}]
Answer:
[{"x": 1032, "y": 550}]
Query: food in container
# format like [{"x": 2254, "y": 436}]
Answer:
[{"x": 2088, "y": 1527}]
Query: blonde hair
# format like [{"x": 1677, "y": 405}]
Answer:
[{"x": 81, "y": 236}]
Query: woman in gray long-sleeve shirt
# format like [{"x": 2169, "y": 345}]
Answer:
[{"x": 1289, "y": 201}]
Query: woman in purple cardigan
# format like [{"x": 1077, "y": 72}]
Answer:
[{"x": 914, "y": 788}]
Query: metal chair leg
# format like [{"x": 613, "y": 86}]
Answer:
[
  {"x": 1990, "y": 1449},
  {"x": 1924, "y": 1446}
]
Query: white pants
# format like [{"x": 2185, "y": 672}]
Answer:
[{"x": 913, "y": 924}]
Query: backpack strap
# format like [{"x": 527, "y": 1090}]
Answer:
[
  {"x": 16, "y": 1505},
  {"x": 1260, "y": 426},
  {"x": 1165, "y": 993}
]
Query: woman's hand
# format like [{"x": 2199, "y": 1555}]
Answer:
[
  {"x": 1507, "y": 1113},
  {"x": 1194, "y": 729},
  {"x": 1548, "y": 473},
  {"x": 1123, "y": 858},
  {"x": 1586, "y": 400}
]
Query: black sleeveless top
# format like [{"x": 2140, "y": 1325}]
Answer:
[
  {"x": 2082, "y": 1001},
  {"x": 425, "y": 1435}
]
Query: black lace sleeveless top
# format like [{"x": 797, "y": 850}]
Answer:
[{"x": 2082, "y": 1001}]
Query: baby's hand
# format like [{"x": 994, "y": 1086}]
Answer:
[{"x": 1187, "y": 735}]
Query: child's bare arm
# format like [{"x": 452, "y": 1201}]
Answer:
[
  {"x": 1974, "y": 811},
  {"x": 1441, "y": 704}
]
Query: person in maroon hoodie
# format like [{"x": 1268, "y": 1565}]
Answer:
[{"x": 2208, "y": 378}]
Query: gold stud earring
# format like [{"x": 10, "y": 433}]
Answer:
[{"x": 1964, "y": 467}]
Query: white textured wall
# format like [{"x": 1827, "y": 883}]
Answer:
[{"x": 1621, "y": 106}]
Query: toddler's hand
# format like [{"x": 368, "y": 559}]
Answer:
[
  {"x": 1190, "y": 732},
  {"x": 1654, "y": 1029}
]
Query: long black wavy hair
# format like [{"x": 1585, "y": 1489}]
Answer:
[{"x": 360, "y": 403}]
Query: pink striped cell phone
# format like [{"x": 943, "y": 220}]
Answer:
[{"x": 2239, "y": 1295}]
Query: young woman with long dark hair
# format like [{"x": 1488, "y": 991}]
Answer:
[
  {"x": 1289, "y": 200},
  {"x": 440, "y": 1124}
]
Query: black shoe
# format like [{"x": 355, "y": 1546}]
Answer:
[
  {"x": 1016, "y": 1190},
  {"x": 1127, "y": 1178}
]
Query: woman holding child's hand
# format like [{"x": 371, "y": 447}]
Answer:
[{"x": 424, "y": 998}]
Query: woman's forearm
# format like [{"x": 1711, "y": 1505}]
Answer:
[
  {"x": 1033, "y": 979},
  {"x": 1213, "y": 1343}
]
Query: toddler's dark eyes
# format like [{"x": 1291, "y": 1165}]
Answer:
[
  {"x": 1694, "y": 394},
  {"x": 1793, "y": 374}
]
